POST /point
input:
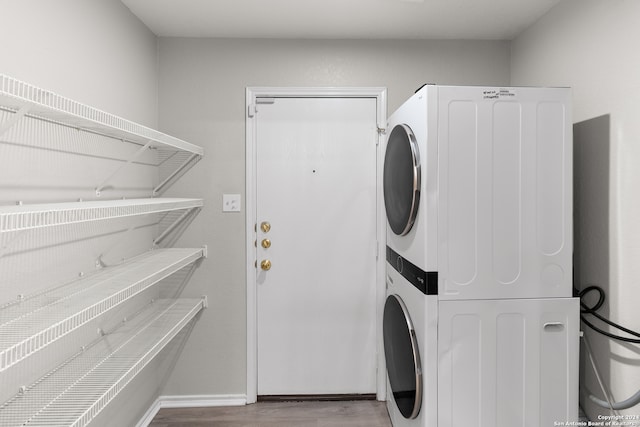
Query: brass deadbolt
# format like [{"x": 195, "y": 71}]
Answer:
[
  {"x": 266, "y": 243},
  {"x": 265, "y": 264},
  {"x": 265, "y": 227}
]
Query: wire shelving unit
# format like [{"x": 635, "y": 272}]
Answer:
[
  {"x": 27, "y": 217},
  {"x": 31, "y": 323},
  {"x": 28, "y": 100},
  {"x": 76, "y": 391},
  {"x": 22, "y": 100}
]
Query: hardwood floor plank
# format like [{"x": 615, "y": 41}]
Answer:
[{"x": 279, "y": 414}]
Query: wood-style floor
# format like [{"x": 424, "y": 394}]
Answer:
[{"x": 367, "y": 413}]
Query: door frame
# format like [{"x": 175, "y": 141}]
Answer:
[{"x": 252, "y": 108}]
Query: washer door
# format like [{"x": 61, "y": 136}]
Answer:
[
  {"x": 401, "y": 179},
  {"x": 402, "y": 356}
]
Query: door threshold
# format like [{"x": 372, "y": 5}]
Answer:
[{"x": 315, "y": 397}]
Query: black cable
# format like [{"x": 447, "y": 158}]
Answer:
[
  {"x": 592, "y": 310},
  {"x": 601, "y": 298}
]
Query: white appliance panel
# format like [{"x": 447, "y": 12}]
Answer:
[
  {"x": 461, "y": 175},
  {"x": 552, "y": 171},
  {"x": 507, "y": 363},
  {"x": 504, "y": 193},
  {"x": 505, "y": 185}
]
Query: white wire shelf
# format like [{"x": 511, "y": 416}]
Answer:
[
  {"x": 33, "y": 322},
  {"x": 25, "y": 99},
  {"x": 26, "y": 217},
  {"x": 75, "y": 392}
]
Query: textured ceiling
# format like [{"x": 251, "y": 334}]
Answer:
[{"x": 340, "y": 19}]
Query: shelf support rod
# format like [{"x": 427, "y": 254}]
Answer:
[
  {"x": 170, "y": 228},
  {"x": 176, "y": 172},
  {"x": 14, "y": 119},
  {"x": 135, "y": 155}
]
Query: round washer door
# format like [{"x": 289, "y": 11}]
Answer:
[
  {"x": 401, "y": 178},
  {"x": 402, "y": 356}
]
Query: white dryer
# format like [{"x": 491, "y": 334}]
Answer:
[
  {"x": 480, "y": 327},
  {"x": 478, "y": 191}
]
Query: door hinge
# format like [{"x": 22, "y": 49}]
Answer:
[{"x": 381, "y": 132}]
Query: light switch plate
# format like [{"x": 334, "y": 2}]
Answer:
[{"x": 231, "y": 202}]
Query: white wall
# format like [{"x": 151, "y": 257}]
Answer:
[
  {"x": 592, "y": 46},
  {"x": 98, "y": 53},
  {"x": 202, "y": 99},
  {"x": 95, "y": 52}
]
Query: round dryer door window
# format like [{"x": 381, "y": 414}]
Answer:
[
  {"x": 401, "y": 179},
  {"x": 402, "y": 356}
]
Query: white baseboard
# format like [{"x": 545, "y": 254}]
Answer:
[
  {"x": 191, "y": 401},
  {"x": 148, "y": 416}
]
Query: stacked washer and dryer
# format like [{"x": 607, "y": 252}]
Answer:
[{"x": 480, "y": 327}]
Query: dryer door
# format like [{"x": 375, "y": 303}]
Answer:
[
  {"x": 401, "y": 179},
  {"x": 402, "y": 356}
]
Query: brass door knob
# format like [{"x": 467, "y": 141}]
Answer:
[
  {"x": 265, "y": 264},
  {"x": 266, "y": 243},
  {"x": 265, "y": 226}
]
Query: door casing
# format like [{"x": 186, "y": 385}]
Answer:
[{"x": 252, "y": 93}]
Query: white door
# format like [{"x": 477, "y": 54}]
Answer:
[{"x": 316, "y": 188}]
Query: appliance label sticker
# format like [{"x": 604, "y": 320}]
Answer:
[{"x": 498, "y": 94}]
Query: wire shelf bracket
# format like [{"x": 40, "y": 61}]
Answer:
[
  {"x": 192, "y": 160},
  {"x": 172, "y": 227},
  {"x": 130, "y": 160},
  {"x": 19, "y": 114}
]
